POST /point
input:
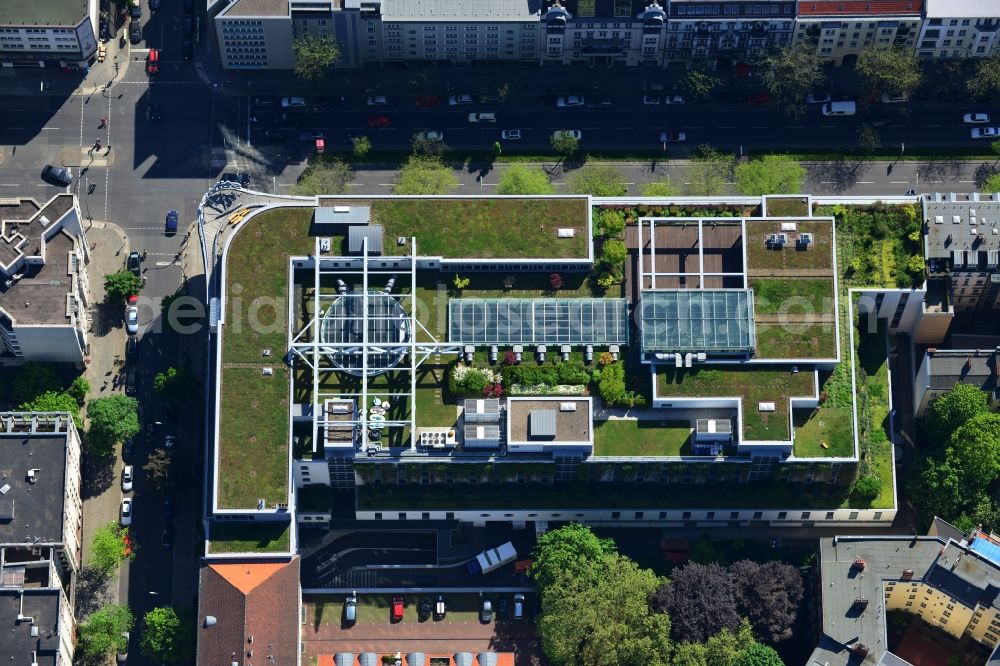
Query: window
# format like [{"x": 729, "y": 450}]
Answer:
[
  {"x": 782, "y": 515},
  {"x": 378, "y": 515},
  {"x": 402, "y": 515},
  {"x": 425, "y": 515},
  {"x": 710, "y": 515},
  {"x": 638, "y": 515},
  {"x": 829, "y": 515},
  {"x": 663, "y": 515},
  {"x": 757, "y": 515},
  {"x": 853, "y": 516},
  {"x": 686, "y": 515},
  {"x": 734, "y": 515},
  {"x": 616, "y": 515}
]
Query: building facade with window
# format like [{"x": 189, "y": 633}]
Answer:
[
  {"x": 49, "y": 33},
  {"x": 959, "y": 29},
  {"x": 839, "y": 31},
  {"x": 717, "y": 35}
]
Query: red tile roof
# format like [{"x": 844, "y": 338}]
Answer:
[
  {"x": 860, "y": 8},
  {"x": 248, "y": 599}
]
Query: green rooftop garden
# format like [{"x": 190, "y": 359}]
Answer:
[
  {"x": 787, "y": 206},
  {"x": 485, "y": 228},
  {"x": 248, "y": 537},
  {"x": 752, "y": 384},
  {"x": 816, "y": 259},
  {"x": 632, "y": 437},
  {"x": 792, "y": 296},
  {"x": 780, "y": 341}
]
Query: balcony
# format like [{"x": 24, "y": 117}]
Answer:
[{"x": 603, "y": 46}]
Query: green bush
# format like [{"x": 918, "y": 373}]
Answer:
[
  {"x": 867, "y": 488},
  {"x": 610, "y": 223}
]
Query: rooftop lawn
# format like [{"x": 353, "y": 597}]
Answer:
[
  {"x": 752, "y": 384},
  {"x": 434, "y": 408},
  {"x": 792, "y": 296},
  {"x": 248, "y": 537},
  {"x": 484, "y": 228},
  {"x": 632, "y": 437},
  {"x": 792, "y": 340},
  {"x": 787, "y": 206},
  {"x": 817, "y": 256},
  {"x": 831, "y": 426},
  {"x": 253, "y": 438}
]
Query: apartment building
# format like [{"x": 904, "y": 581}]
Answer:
[
  {"x": 44, "y": 290},
  {"x": 841, "y": 30},
  {"x": 959, "y": 29},
  {"x": 720, "y": 34},
  {"x": 949, "y": 579},
  {"x": 40, "y": 535},
  {"x": 941, "y": 369},
  {"x": 48, "y": 33}
]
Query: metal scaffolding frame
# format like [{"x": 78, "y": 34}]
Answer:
[{"x": 317, "y": 354}]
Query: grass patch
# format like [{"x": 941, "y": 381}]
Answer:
[
  {"x": 818, "y": 255},
  {"x": 248, "y": 537},
  {"x": 787, "y": 206},
  {"x": 521, "y": 228},
  {"x": 824, "y": 425},
  {"x": 434, "y": 407},
  {"x": 253, "y": 438},
  {"x": 796, "y": 296},
  {"x": 631, "y": 437},
  {"x": 752, "y": 385},
  {"x": 257, "y": 281},
  {"x": 783, "y": 341}
]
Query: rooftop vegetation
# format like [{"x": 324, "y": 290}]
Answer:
[
  {"x": 792, "y": 259},
  {"x": 248, "y": 537},
  {"x": 632, "y": 437}
]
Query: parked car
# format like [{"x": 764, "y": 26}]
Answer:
[
  {"x": 169, "y": 441},
  {"x": 121, "y": 654},
  {"x": 187, "y": 49},
  {"x": 511, "y": 135},
  {"x": 486, "y": 612},
  {"x": 397, "y": 608},
  {"x": 105, "y": 30},
  {"x": 428, "y": 100},
  {"x": 576, "y": 134},
  {"x": 455, "y": 100},
  {"x": 171, "y": 225},
  {"x": 673, "y": 99},
  {"x": 888, "y": 98},
  {"x": 672, "y": 137},
  {"x": 377, "y": 100},
  {"x": 126, "y": 511},
  {"x": 482, "y": 117},
  {"x": 153, "y": 62},
  {"x": 429, "y": 135},
  {"x": 351, "y": 608},
  {"x": 135, "y": 31},
  {"x": 976, "y": 118},
  {"x": 985, "y": 132},
  {"x": 242, "y": 178},
  {"x": 132, "y": 315},
  {"x": 135, "y": 9},
  {"x": 439, "y": 608},
  {"x": 519, "y": 606},
  {"x": 130, "y": 377},
  {"x": 127, "y": 478},
  {"x": 423, "y": 609},
  {"x": 57, "y": 175},
  {"x": 818, "y": 98},
  {"x": 264, "y": 102},
  {"x": 134, "y": 263},
  {"x": 600, "y": 103},
  {"x": 492, "y": 559},
  {"x": 167, "y": 538},
  {"x": 564, "y": 102},
  {"x": 378, "y": 121},
  {"x": 155, "y": 111},
  {"x": 651, "y": 100},
  {"x": 293, "y": 103},
  {"x": 127, "y": 446},
  {"x": 846, "y": 108}
]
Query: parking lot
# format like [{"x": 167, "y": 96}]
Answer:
[{"x": 326, "y": 633}]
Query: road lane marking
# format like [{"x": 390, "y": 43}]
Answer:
[
  {"x": 898, "y": 182},
  {"x": 865, "y": 182},
  {"x": 50, "y": 128},
  {"x": 966, "y": 181},
  {"x": 10, "y": 185}
]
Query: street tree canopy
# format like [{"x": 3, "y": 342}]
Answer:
[
  {"x": 975, "y": 451},
  {"x": 177, "y": 384},
  {"x": 113, "y": 419},
  {"x": 599, "y": 180},
  {"x": 425, "y": 174},
  {"x": 567, "y": 550},
  {"x": 166, "y": 637},
  {"x": 723, "y": 649},
  {"x": 314, "y": 55},
  {"x": 701, "y": 601},
  {"x": 893, "y": 71},
  {"x": 759, "y": 655},
  {"x": 985, "y": 82},
  {"x": 789, "y": 75},
  {"x": 109, "y": 547},
  {"x": 951, "y": 410},
  {"x": 709, "y": 171},
  {"x": 660, "y": 189},
  {"x": 992, "y": 184},
  {"x": 524, "y": 179},
  {"x": 700, "y": 84},
  {"x": 770, "y": 174},
  {"x": 102, "y": 632},
  {"x": 53, "y": 401},
  {"x": 119, "y": 286},
  {"x": 769, "y": 595},
  {"x": 564, "y": 144},
  {"x": 157, "y": 470},
  {"x": 326, "y": 176}
]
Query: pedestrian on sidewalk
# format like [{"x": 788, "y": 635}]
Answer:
[{"x": 104, "y": 123}]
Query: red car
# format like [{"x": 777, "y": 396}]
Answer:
[
  {"x": 760, "y": 99},
  {"x": 153, "y": 62},
  {"x": 378, "y": 121},
  {"x": 428, "y": 100},
  {"x": 397, "y": 609}
]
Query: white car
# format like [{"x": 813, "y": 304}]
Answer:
[
  {"x": 482, "y": 117},
  {"x": 132, "y": 320},
  {"x": 986, "y": 133},
  {"x": 378, "y": 100},
  {"x": 652, "y": 100},
  {"x": 293, "y": 102},
  {"x": 673, "y": 99},
  {"x": 126, "y": 511},
  {"x": 429, "y": 135},
  {"x": 455, "y": 100},
  {"x": 511, "y": 135},
  {"x": 818, "y": 98},
  {"x": 127, "y": 478},
  {"x": 564, "y": 102},
  {"x": 672, "y": 137},
  {"x": 169, "y": 441},
  {"x": 976, "y": 118},
  {"x": 576, "y": 134}
]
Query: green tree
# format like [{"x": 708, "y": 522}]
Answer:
[
  {"x": 867, "y": 488},
  {"x": 610, "y": 223},
  {"x": 564, "y": 144},
  {"x": 975, "y": 451},
  {"x": 166, "y": 636},
  {"x": 947, "y": 413},
  {"x": 421, "y": 145},
  {"x": 425, "y": 174},
  {"x": 985, "y": 82},
  {"x": 119, "y": 286},
  {"x": 328, "y": 175},
  {"x": 726, "y": 647},
  {"x": 314, "y": 55},
  {"x": 113, "y": 419},
  {"x": 759, "y": 655},
  {"x": 361, "y": 146},
  {"x": 613, "y": 255},
  {"x": 461, "y": 282},
  {"x": 177, "y": 384},
  {"x": 892, "y": 71},
  {"x": 699, "y": 84},
  {"x": 524, "y": 179},
  {"x": 104, "y": 631},
  {"x": 599, "y": 180},
  {"x": 660, "y": 189},
  {"x": 32, "y": 380},
  {"x": 52, "y": 401},
  {"x": 992, "y": 184},
  {"x": 937, "y": 490},
  {"x": 869, "y": 140},
  {"x": 709, "y": 171},
  {"x": 157, "y": 470},
  {"x": 770, "y": 174},
  {"x": 568, "y": 549},
  {"x": 79, "y": 389},
  {"x": 789, "y": 74},
  {"x": 109, "y": 548}
]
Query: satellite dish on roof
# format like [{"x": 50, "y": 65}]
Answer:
[{"x": 210, "y": 620}]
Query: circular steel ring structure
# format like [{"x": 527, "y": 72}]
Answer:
[{"x": 343, "y": 329}]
